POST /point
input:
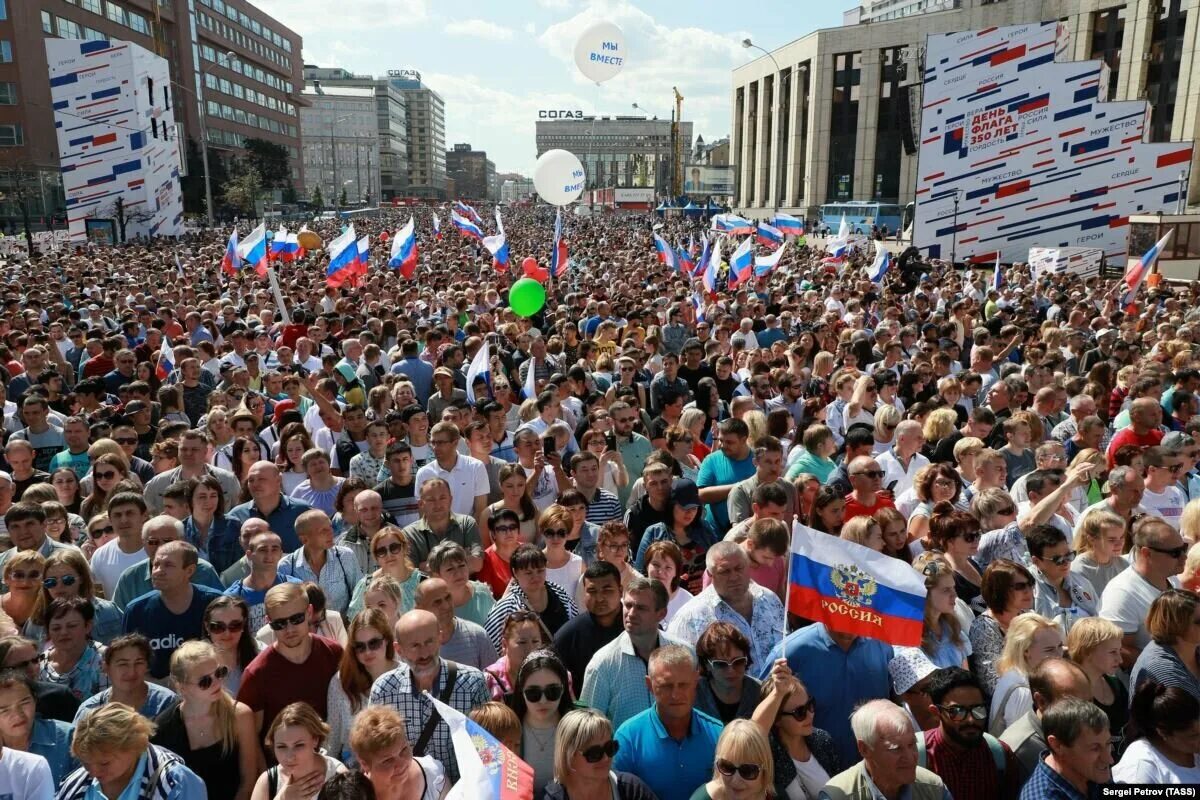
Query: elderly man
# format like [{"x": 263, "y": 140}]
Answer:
[
  {"x": 26, "y": 523},
  {"x": 866, "y": 480},
  {"x": 671, "y": 744},
  {"x": 1145, "y": 415},
  {"x": 902, "y": 460},
  {"x": 1158, "y": 554},
  {"x": 466, "y": 476},
  {"x": 421, "y": 670},
  {"x": 173, "y": 612},
  {"x": 1049, "y": 682},
  {"x": 267, "y": 501},
  {"x": 887, "y": 745},
  {"x": 193, "y": 463},
  {"x": 732, "y": 597},
  {"x": 1126, "y": 489},
  {"x": 614, "y": 680},
  {"x": 1080, "y": 758},
  {"x": 438, "y": 524},
  {"x": 138, "y": 580},
  {"x": 463, "y": 642},
  {"x": 1082, "y": 406},
  {"x": 1048, "y": 455}
]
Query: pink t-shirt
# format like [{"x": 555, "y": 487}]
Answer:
[{"x": 773, "y": 577}]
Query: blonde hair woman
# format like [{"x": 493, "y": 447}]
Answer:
[
  {"x": 583, "y": 756},
  {"x": 1098, "y": 544},
  {"x": 939, "y": 424},
  {"x": 942, "y": 637},
  {"x": 1094, "y": 643},
  {"x": 1189, "y": 523},
  {"x": 1030, "y": 640},
  {"x": 390, "y": 550},
  {"x": 213, "y": 734},
  {"x": 113, "y": 745},
  {"x": 887, "y": 417},
  {"x": 865, "y": 531},
  {"x": 562, "y": 566},
  {"x": 742, "y": 768},
  {"x": 301, "y": 768}
]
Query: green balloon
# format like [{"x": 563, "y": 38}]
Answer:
[{"x": 526, "y": 297}]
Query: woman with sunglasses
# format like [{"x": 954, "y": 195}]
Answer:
[
  {"x": 1031, "y": 639},
  {"x": 380, "y": 745},
  {"x": 802, "y": 755},
  {"x": 743, "y": 768},
  {"x": 1007, "y": 590},
  {"x": 99, "y": 532},
  {"x": 67, "y": 574},
  {"x": 562, "y": 566},
  {"x": 956, "y": 534},
  {"x": 726, "y": 691},
  {"x": 73, "y": 660},
  {"x": 371, "y": 653},
  {"x": 127, "y": 663},
  {"x": 540, "y": 698},
  {"x": 942, "y": 637},
  {"x": 213, "y": 734},
  {"x": 23, "y": 577},
  {"x": 227, "y": 628},
  {"x": 107, "y": 471},
  {"x": 66, "y": 486},
  {"x": 505, "y": 528},
  {"x": 583, "y": 752},
  {"x": 524, "y": 632},
  {"x": 389, "y": 546}
]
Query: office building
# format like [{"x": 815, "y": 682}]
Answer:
[
  {"x": 251, "y": 94},
  {"x": 884, "y": 10},
  {"x": 474, "y": 174},
  {"x": 426, "y": 135},
  {"x": 618, "y": 151},
  {"x": 340, "y": 132},
  {"x": 514, "y": 187},
  {"x": 392, "y": 122},
  {"x": 851, "y": 95}
]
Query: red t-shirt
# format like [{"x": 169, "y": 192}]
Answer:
[
  {"x": 270, "y": 682},
  {"x": 291, "y": 333},
  {"x": 495, "y": 572},
  {"x": 857, "y": 509},
  {"x": 1129, "y": 436}
]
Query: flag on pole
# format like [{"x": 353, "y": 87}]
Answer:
[
  {"x": 1135, "y": 273},
  {"x": 498, "y": 245},
  {"x": 437, "y": 227},
  {"x": 768, "y": 235},
  {"x": 231, "y": 262},
  {"x": 560, "y": 260},
  {"x": 166, "y": 360},
  {"x": 364, "y": 255},
  {"x": 480, "y": 367},
  {"x": 487, "y": 769},
  {"x": 692, "y": 245},
  {"x": 882, "y": 263},
  {"x": 529, "y": 390},
  {"x": 178, "y": 266},
  {"x": 732, "y": 225},
  {"x": 698, "y": 304},
  {"x": 665, "y": 252},
  {"x": 702, "y": 261},
  {"x": 253, "y": 250},
  {"x": 274, "y": 281},
  {"x": 466, "y": 227},
  {"x": 468, "y": 212},
  {"x": 709, "y": 277},
  {"x": 404, "y": 250},
  {"x": 854, "y": 589},
  {"x": 278, "y": 244},
  {"x": 763, "y": 266},
  {"x": 997, "y": 275},
  {"x": 343, "y": 258},
  {"x": 741, "y": 263},
  {"x": 687, "y": 265},
  {"x": 789, "y": 225}
]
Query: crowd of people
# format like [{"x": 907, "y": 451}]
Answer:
[{"x": 248, "y": 534}]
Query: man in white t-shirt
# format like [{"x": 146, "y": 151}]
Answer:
[
  {"x": 466, "y": 476},
  {"x": 1158, "y": 554},
  {"x": 127, "y": 513},
  {"x": 1163, "y": 497}
]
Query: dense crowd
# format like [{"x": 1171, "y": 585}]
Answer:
[{"x": 234, "y": 565}]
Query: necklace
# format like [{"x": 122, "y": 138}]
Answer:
[{"x": 542, "y": 744}]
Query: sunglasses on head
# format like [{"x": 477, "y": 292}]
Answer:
[
  {"x": 206, "y": 681},
  {"x": 596, "y": 753},
  {"x": 553, "y": 693},
  {"x": 801, "y": 712},
  {"x": 957, "y": 713},
  {"x": 749, "y": 772},
  {"x": 236, "y": 626},
  {"x": 67, "y": 580},
  {"x": 372, "y": 644},
  {"x": 293, "y": 620},
  {"x": 394, "y": 549}
]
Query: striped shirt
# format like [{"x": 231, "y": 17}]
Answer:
[
  {"x": 604, "y": 507},
  {"x": 1163, "y": 666}
]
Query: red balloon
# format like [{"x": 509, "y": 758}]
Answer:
[{"x": 529, "y": 264}]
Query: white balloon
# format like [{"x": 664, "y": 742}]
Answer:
[
  {"x": 600, "y": 51},
  {"x": 558, "y": 177}
]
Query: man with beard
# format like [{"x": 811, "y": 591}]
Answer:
[{"x": 972, "y": 763}]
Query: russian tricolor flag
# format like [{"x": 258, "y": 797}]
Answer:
[
  {"x": 789, "y": 225},
  {"x": 732, "y": 224},
  {"x": 291, "y": 247},
  {"x": 343, "y": 258},
  {"x": 687, "y": 264},
  {"x": 881, "y": 265},
  {"x": 703, "y": 260},
  {"x": 854, "y": 590},
  {"x": 468, "y": 212},
  {"x": 711, "y": 265},
  {"x": 404, "y": 250},
  {"x": 466, "y": 227},
  {"x": 1135, "y": 273},
  {"x": 480, "y": 367},
  {"x": 498, "y": 246},
  {"x": 666, "y": 254},
  {"x": 437, "y": 227},
  {"x": 253, "y": 250},
  {"x": 769, "y": 235},
  {"x": 231, "y": 262},
  {"x": 488, "y": 770},
  {"x": 364, "y": 254},
  {"x": 560, "y": 260},
  {"x": 166, "y": 360},
  {"x": 741, "y": 263},
  {"x": 278, "y": 244},
  {"x": 763, "y": 266}
]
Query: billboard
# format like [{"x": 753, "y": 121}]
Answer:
[
  {"x": 1086, "y": 262},
  {"x": 701, "y": 181},
  {"x": 1032, "y": 154},
  {"x": 117, "y": 137},
  {"x": 634, "y": 196}
]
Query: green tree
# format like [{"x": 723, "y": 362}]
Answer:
[
  {"x": 317, "y": 201},
  {"x": 289, "y": 194},
  {"x": 193, "y": 184},
  {"x": 243, "y": 191},
  {"x": 21, "y": 186},
  {"x": 270, "y": 160},
  {"x": 342, "y": 198}
]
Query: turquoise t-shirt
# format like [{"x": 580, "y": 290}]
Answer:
[{"x": 719, "y": 469}]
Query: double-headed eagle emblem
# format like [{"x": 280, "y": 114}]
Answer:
[{"x": 854, "y": 587}]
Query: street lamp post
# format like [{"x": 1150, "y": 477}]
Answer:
[
  {"x": 333, "y": 157},
  {"x": 954, "y": 233},
  {"x": 783, "y": 110},
  {"x": 657, "y": 149}
]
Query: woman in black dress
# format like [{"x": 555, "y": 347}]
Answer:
[{"x": 213, "y": 734}]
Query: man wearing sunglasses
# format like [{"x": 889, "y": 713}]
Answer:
[
  {"x": 971, "y": 762},
  {"x": 174, "y": 611},
  {"x": 866, "y": 480},
  {"x": 1158, "y": 555}
]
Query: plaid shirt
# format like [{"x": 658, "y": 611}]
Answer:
[
  {"x": 1046, "y": 784},
  {"x": 398, "y": 690},
  {"x": 971, "y": 772}
]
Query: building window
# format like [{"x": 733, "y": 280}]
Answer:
[
  {"x": 3, "y": 9},
  {"x": 8, "y": 93},
  {"x": 138, "y": 23},
  {"x": 47, "y": 23},
  {"x": 1162, "y": 75},
  {"x": 5, "y": 51},
  {"x": 847, "y": 76},
  {"x": 11, "y": 136},
  {"x": 1108, "y": 35},
  {"x": 68, "y": 29},
  {"x": 116, "y": 14},
  {"x": 92, "y": 35}
]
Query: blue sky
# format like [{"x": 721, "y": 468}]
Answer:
[{"x": 496, "y": 63}]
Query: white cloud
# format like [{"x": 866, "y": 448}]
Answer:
[
  {"x": 530, "y": 28},
  {"x": 312, "y": 18},
  {"x": 478, "y": 29},
  {"x": 554, "y": 5}
]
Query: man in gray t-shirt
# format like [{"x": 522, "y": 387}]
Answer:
[{"x": 463, "y": 641}]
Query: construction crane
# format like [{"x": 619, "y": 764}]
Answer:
[{"x": 676, "y": 168}]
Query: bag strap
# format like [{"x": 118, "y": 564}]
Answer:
[
  {"x": 272, "y": 782},
  {"x": 149, "y": 788},
  {"x": 997, "y": 751},
  {"x": 612, "y": 784},
  {"x": 434, "y": 716}
]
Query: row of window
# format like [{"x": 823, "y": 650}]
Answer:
[
  {"x": 11, "y": 135},
  {"x": 69, "y": 29},
  {"x": 226, "y": 86},
  {"x": 248, "y": 22},
  {"x": 249, "y": 118},
  {"x": 212, "y": 24},
  {"x": 209, "y": 53},
  {"x": 113, "y": 12}
]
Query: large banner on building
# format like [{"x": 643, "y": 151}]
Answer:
[
  {"x": 117, "y": 138},
  {"x": 1085, "y": 262},
  {"x": 1032, "y": 154},
  {"x": 701, "y": 181}
]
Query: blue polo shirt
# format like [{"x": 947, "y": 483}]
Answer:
[
  {"x": 149, "y": 616},
  {"x": 673, "y": 769},
  {"x": 282, "y": 520},
  {"x": 838, "y": 680}
]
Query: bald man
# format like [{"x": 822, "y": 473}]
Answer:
[
  {"x": 462, "y": 641},
  {"x": 419, "y": 641},
  {"x": 267, "y": 501}
]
